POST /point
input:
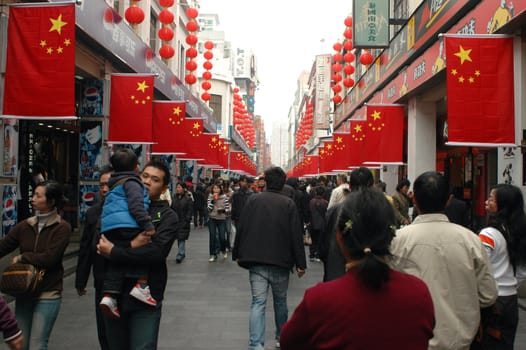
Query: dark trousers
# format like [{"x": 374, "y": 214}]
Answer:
[
  {"x": 499, "y": 324},
  {"x": 116, "y": 272},
  {"x": 134, "y": 330},
  {"x": 314, "y": 248},
  {"x": 199, "y": 216},
  {"x": 101, "y": 330}
]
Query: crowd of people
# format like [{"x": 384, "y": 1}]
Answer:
[{"x": 407, "y": 265}]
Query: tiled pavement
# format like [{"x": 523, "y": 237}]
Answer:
[{"x": 206, "y": 306}]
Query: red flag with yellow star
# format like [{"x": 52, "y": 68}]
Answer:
[
  {"x": 212, "y": 145},
  {"x": 131, "y": 108},
  {"x": 191, "y": 137},
  {"x": 40, "y": 66},
  {"x": 357, "y": 143},
  {"x": 340, "y": 159},
  {"x": 480, "y": 90},
  {"x": 385, "y": 134},
  {"x": 168, "y": 117}
]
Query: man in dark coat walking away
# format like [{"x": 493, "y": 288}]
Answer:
[
  {"x": 239, "y": 198},
  {"x": 269, "y": 243}
]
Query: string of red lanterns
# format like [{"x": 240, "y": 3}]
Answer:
[
  {"x": 134, "y": 14},
  {"x": 348, "y": 57},
  {"x": 336, "y": 68},
  {"x": 207, "y": 65},
  {"x": 191, "y": 39},
  {"x": 166, "y": 33},
  {"x": 242, "y": 122}
]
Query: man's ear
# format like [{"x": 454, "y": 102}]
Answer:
[{"x": 415, "y": 204}]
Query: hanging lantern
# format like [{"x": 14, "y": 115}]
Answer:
[
  {"x": 166, "y": 3},
  {"x": 207, "y": 75},
  {"x": 190, "y": 79},
  {"x": 166, "y": 34},
  {"x": 347, "y": 33},
  {"x": 337, "y": 78},
  {"x": 192, "y": 12},
  {"x": 191, "y": 65},
  {"x": 209, "y": 45},
  {"x": 348, "y": 82},
  {"x": 337, "y": 47},
  {"x": 205, "y": 96},
  {"x": 337, "y": 99},
  {"x": 191, "y": 52},
  {"x": 192, "y": 26},
  {"x": 134, "y": 14},
  {"x": 337, "y": 89},
  {"x": 206, "y": 85},
  {"x": 337, "y": 57},
  {"x": 337, "y": 67},
  {"x": 191, "y": 39},
  {"x": 366, "y": 58},
  {"x": 208, "y": 55},
  {"x": 166, "y": 51},
  {"x": 166, "y": 17},
  {"x": 347, "y": 45},
  {"x": 208, "y": 65},
  {"x": 348, "y": 22},
  {"x": 348, "y": 69},
  {"x": 348, "y": 57}
]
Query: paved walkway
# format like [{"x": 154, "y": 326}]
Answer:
[{"x": 206, "y": 306}]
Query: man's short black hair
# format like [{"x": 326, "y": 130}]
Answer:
[
  {"x": 275, "y": 178},
  {"x": 431, "y": 192},
  {"x": 243, "y": 178},
  {"x": 161, "y": 166},
  {"x": 124, "y": 159}
]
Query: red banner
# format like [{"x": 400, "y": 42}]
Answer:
[
  {"x": 385, "y": 134},
  {"x": 193, "y": 142},
  {"x": 40, "y": 67},
  {"x": 357, "y": 143},
  {"x": 340, "y": 159},
  {"x": 168, "y": 117},
  {"x": 131, "y": 108},
  {"x": 211, "y": 142},
  {"x": 480, "y": 90}
]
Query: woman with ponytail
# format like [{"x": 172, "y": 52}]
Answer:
[
  {"x": 371, "y": 306},
  {"x": 505, "y": 242}
]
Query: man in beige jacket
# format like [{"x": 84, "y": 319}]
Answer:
[{"x": 452, "y": 262}]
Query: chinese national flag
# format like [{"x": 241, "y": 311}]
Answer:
[
  {"x": 385, "y": 134},
  {"x": 191, "y": 136},
  {"x": 40, "y": 66},
  {"x": 131, "y": 108},
  {"x": 237, "y": 161},
  {"x": 326, "y": 152},
  {"x": 168, "y": 117},
  {"x": 480, "y": 90},
  {"x": 211, "y": 144},
  {"x": 357, "y": 143},
  {"x": 311, "y": 165},
  {"x": 224, "y": 150},
  {"x": 340, "y": 158}
]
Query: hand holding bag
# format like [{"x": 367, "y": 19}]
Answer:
[{"x": 21, "y": 280}]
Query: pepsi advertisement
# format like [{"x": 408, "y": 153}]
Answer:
[
  {"x": 88, "y": 196},
  {"x": 91, "y": 104},
  {"x": 9, "y": 213}
]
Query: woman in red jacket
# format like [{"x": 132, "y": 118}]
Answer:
[{"x": 371, "y": 306}]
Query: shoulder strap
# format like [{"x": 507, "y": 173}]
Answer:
[{"x": 123, "y": 180}]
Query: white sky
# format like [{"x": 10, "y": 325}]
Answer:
[{"x": 285, "y": 36}]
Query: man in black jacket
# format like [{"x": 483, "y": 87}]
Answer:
[
  {"x": 269, "y": 243},
  {"x": 138, "y": 325},
  {"x": 239, "y": 198},
  {"x": 89, "y": 258}
]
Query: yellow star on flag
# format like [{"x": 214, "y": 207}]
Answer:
[
  {"x": 177, "y": 110},
  {"x": 376, "y": 115},
  {"x": 57, "y": 24},
  {"x": 196, "y": 125},
  {"x": 142, "y": 86},
  {"x": 358, "y": 128},
  {"x": 463, "y": 55},
  {"x": 339, "y": 140}
]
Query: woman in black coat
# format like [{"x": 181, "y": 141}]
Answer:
[{"x": 183, "y": 205}]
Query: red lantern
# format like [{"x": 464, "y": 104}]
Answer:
[
  {"x": 337, "y": 89},
  {"x": 166, "y": 34},
  {"x": 134, "y": 14},
  {"x": 347, "y": 33},
  {"x": 208, "y": 65},
  {"x": 236, "y": 90},
  {"x": 348, "y": 82},
  {"x": 348, "y": 46},
  {"x": 209, "y": 45},
  {"x": 191, "y": 65},
  {"x": 366, "y": 58},
  {"x": 337, "y": 78},
  {"x": 191, "y": 39},
  {"x": 348, "y": 57},
  {"x": 337, "y": 57},
  {"x": 166, "y": 17},
  {"x": 337, "y": 67},
  {"x": 191, "y": 52},
  {"x": 205, "y": 96},
  {"x": 348, "y": 21},
  {"x": 207, "y": 75},
  {"x": 190, "y": 79},
  {"x": 166, "y": 3},
  {"x": 348, "y": 69},
  {"x": 337, "y": 47},
  {"x": 208, "y": 55},
  {"x": 192, "y": 26},
  {"x": 192, "y": 12},
  {"x": 166, "y": 51},
  {"x": 337, "y": 99},
  {"x": 206, "y": 85}
]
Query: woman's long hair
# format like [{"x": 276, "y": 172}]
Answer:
[
  {"x": 367, "y": 224},
  {"x": 510, "y": 220}
]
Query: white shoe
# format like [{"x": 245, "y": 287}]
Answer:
[
  {"x": 212, "y": 258},
  {"x": 109, "y": 307},
  {"x": 143, "y": 294}
]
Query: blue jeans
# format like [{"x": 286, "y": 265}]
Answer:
[
  {"x": 36, "y": 319},
  {"x": 135, "y": 330},
  {"x": 217, "y": 230},
  {"x": 181, "y": 244},
  {"x": 261, "y": 277}
]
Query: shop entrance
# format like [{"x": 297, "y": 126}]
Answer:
[{"x": 49, "y": 150}]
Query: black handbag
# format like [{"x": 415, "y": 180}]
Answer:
[{"x": 21, "y": 280}]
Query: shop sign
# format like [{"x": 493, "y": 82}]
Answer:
[{"x": 371, "y": 23}]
